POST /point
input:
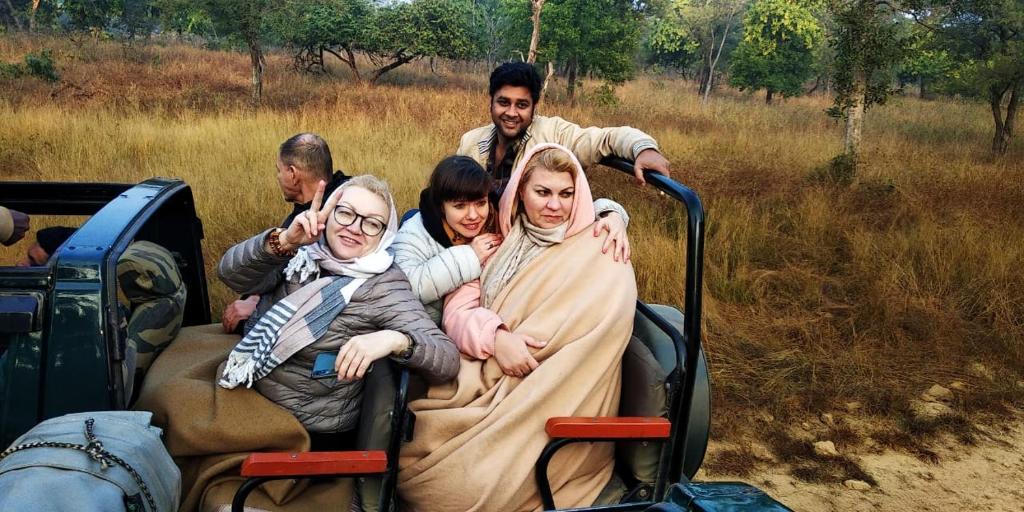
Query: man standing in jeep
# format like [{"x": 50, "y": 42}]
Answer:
[{"x": 514, "y": 91}]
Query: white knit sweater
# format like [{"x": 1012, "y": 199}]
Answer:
[{"x": 433, "y": 270}]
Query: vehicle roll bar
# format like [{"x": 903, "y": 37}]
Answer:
[{"x": 688, "y": 342}]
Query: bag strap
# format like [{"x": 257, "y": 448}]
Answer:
[{"x": 94, "y": 449}]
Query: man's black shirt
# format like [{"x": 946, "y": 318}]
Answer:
[{"x": 337, "y": 179}]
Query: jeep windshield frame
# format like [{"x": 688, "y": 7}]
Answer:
[{"x": 72, "y": 361}]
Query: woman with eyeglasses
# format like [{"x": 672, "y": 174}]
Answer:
[{"x": 328, "y": 285}]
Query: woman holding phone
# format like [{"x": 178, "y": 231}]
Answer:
[{"x": 329, "y": 285}]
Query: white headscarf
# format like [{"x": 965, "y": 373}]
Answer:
[{"x": 311, "y": 259}]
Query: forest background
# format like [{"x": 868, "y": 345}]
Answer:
[{"x": 856, "y": 158}]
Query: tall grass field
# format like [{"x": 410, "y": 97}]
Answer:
[{"x": 817, "y": 296}]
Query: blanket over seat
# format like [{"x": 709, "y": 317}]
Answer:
[
  {"x": 478, "y": 437},
  {"x": 210, "y": 430}
]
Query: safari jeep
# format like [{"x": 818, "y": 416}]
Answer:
[{"x": 63, "y": 350}]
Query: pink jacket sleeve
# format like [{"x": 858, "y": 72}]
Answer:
[{"x": 471, "y": 326}]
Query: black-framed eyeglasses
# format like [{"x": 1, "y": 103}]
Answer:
[{"x": 368, "y": 225}]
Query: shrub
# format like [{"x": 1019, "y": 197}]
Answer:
[
  {"x": 38, "y": 65},
  {"x": 604, "y": 95},
  {"x": 839, "y": 171},
  {"x": 41, "y": 66},
  {"x": 10, "y": 70}
]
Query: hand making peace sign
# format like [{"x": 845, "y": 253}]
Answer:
[{"x": 305, "y": 229}]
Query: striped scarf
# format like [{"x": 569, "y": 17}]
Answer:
[
  {"x": 292, "y": 324},
  {"x": 301, "y": 318}
]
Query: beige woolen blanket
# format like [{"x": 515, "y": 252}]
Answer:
[
  {"x": 210, "y": 430},
  {"x": 477, "y": 438}
]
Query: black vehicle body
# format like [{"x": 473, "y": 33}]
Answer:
[{"x": 61, "y": 344}]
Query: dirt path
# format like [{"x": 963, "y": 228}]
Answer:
[{"x": 988, "y": 476}]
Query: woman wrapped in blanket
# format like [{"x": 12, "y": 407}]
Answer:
[
  {"x": 542, "y": 335},
  {"x": 339, "y": 292},
  {"x": 447, "y": 243}
]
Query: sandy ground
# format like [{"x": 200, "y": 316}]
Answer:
[{"x": 988, "y": 476}]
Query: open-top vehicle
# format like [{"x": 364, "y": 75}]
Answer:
[{"x": 62, "y": 350}]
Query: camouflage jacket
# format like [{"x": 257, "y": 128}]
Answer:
[{"x": 152, "y": 297}]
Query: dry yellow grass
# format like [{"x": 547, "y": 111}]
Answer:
[{"x": 816, "y": 295}]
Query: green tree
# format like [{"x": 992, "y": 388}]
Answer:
[
  {"x": 245, "y": 20},
  {"x": 242, "y": 21},
  {"x": 315, "y": 27},
  {"x": 135, "y": 17},
  {"x": 403, "y": 32},
  {"x": 592, "y": 37},
  {"x": 12, "y": 12},
  {"x": 89, "y": 15},
  {"x": 986, "y": 38},
  {"x": 184, "y": 17},
  {"x": 867, "y": 49},
  {"x": 702, "y": 27},
  {"x": 777, "y": 52},
  {"x": 599, "y": 38},
  {"x": 927, "y": 61},
  {"x": 493, "y": 27}
]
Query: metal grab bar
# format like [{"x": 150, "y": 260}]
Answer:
[{"x": 688, "y": 342}]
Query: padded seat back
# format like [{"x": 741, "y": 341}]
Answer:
[
  {"x": 152, "y": 295},
  {"x": 649, "y": 359},
  {"x": 375, "y": 425}
]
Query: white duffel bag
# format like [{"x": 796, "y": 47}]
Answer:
[{"x": 102, "y": 461}]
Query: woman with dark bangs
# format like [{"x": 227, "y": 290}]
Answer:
[
  {"x": 449, "y": 241},
  {"x": 445, "y": 245}
]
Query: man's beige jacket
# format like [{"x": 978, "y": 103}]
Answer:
[{"x": 589, "y": 145}]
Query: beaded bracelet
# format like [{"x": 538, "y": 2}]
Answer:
[{"x": 274, "y": 240}]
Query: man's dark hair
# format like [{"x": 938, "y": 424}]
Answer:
[
  {"x": 516, "y": 74},
  {"x": 309, "y": 152},
  {"x": 50, "y": 239}
]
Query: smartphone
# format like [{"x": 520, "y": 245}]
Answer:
[{"x": 323, "y": 366}]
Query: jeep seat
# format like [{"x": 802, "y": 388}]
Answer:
[{"x": 649, "y": 359}]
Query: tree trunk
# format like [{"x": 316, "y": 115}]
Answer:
[
  {"x": 768, "y": 96},
  {"x": 855, "y": 117},
  {"x": 710, "y": 67},
  {"x": 817, "y": 84},
  {"x": 537, "y": 5},
  {"x": 14, "y": 15},
  {"x": 32, "y": 16},
  {"x": 351, "y": 64},
  {"x": 351, "y": 61},
  {"x": 400, "y": 59},
  {"x": 922, "y": 88},
  {"x": 547, "y": 79},
  {"x": 718, "y": 55},
  {"x": 704, "y": 77},
  {"x": 256, "y": 59},
  {"x": 1004, "y": 126},
  {"x": 571, "y": 81}
]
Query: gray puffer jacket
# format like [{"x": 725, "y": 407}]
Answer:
[{"x": 383, "y": 302}]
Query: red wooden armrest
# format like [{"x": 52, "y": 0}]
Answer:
[
  {"x": 314, "y": 463},
  {"x": 609, "y": 428}
]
